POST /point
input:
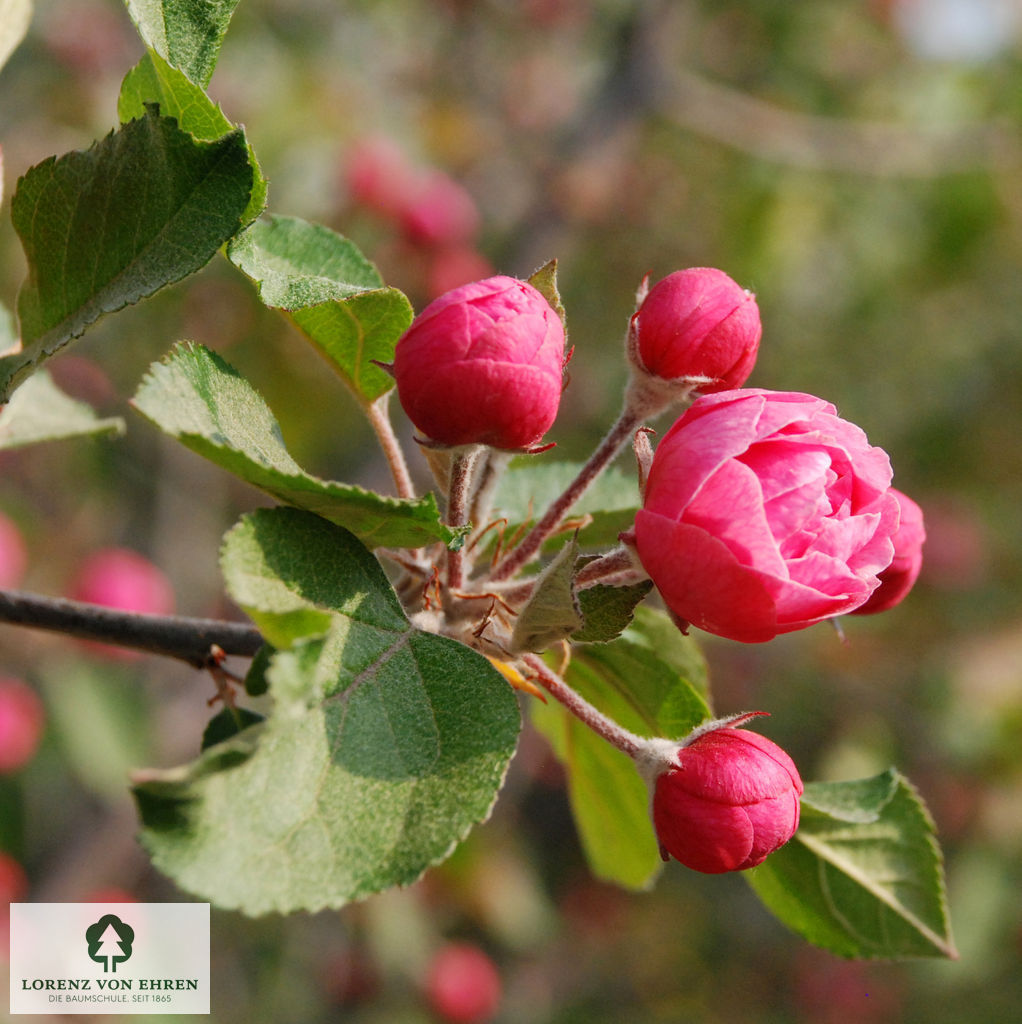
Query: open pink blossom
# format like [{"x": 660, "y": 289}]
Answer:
[
  {"x": 483, "y": 364},
  {"x": 764, "y": 512},
  {"x": 698, "y": 325},
  {"x": 900, "y": 576},
  {"x": 727, "y": 801}
]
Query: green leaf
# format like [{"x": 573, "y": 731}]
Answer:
[
  {"x": 607, "y": 611},
  {"x": 195, "y": 396},
  {"x": 15, "y": 16},
  {"x": 105, "y": 227},
  {"x": 186, "y": 33},
  {"x": 40, "y": 411},
  {"x": 332, "y": 292},
  {"x": 863, "y": 875},
  {"x": 385, "y": 745},
  {"x": 530, "y": 486},
  {"x": 552, "y": 612},
  {"x": 256, "y": 683},
  {"x": 228, "y": 722},
  {"x": 153, "y": 80},
  {"x": 631, "y": 683}
]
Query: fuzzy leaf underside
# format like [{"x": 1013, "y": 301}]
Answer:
[
  {"x": 552, "y": 613},
  {"x": 198, "y": 398},
  {"x": 333, "y": 294},
  {"x": 40, "y": 411},
  {"x": 385, "y": 744},
  {"x": 186, "y": 33}
]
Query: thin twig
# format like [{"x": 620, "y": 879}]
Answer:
[
  {"x": 458, "y": 504},
  {"x": 379, "y": 420},
  {"x": 173, "y": 636},
  {"x": 617, "y": 735},
  {"x": 598, "y": 461}
]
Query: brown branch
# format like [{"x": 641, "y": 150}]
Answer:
[{"x": 172, "y": 636}]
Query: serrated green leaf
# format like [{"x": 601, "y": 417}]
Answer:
[
  {"x": 354, "y": 332},
  {"x": 296, "y": 264},
  {"x": 186, "y": 33},
  {"x": 607, "y": 611},
  {"x": 153, "y": 80},
  {"x": 105, "y": 227},
  {"x": 40, "y": 411},
  {"x": 15, "y": 16},
  {"x": 626, "y": 680},
  {"x": 333, "y": 294},
  {"x": 856, "y": 801},
  {"x": 197, "y": 397},
  {"x": 385, "y": 745},
  {"x": 551, "y": 613},
  {"x": 866, "y": 881},
  {"x": 530, "y": 486}
]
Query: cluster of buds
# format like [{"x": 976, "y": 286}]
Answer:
[{"x": 762, "y": 512}]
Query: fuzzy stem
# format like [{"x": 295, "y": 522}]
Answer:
[
  {"x": 615, "y": 562},
  {"x": 495, "y": 463},
  {"x": 379, "y": 420},
  {"x": 458, "y": 509},
  {"x": 616, "y": 735},
  {"x": 173, "y": 636},
  {"x": 598, "y": 461}
]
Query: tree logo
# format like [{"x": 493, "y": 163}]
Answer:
[{"x": 110, "y": 941}]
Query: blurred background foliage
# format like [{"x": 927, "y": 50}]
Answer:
[{"x": 854, "y": 162}]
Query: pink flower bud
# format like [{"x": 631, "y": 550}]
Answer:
[
  {"x": 697, "y": 324},
  {"x": 900, "y": 576},
  {"x": 763, "y": 513},
  {"x": 21, "y": 724},
  {"x": 439, "y": 211},
  {"x": 483, "y": 364},
  {"x": 728, "y": 800},
  {"x": 463, "y": 985},
  {"x": 120, "y": 578},
  {"x": 380, "y": 177}
]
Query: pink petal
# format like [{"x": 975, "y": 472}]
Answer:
[{"x": 702, "y": 581}]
